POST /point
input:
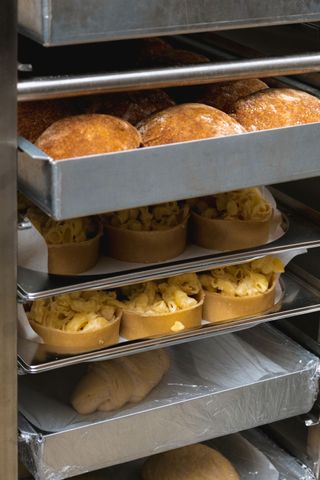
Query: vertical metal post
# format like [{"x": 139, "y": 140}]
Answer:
[{"x": 8, "y": 326}]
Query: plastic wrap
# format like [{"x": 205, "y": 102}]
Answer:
[
  {"x": 213, "y": 388},
  {"x": 288, "y": 467}
]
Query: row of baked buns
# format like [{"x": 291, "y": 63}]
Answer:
[
  {"x": 89, "y": 320},
  {"x": 227, "y": 221},
  {"x": 98, "y": 133}
]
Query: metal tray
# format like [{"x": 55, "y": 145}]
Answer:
[
  {"x": 299, "y": 298},
  {"x": 100, "y": 183},
  {"x": 207, "y": 393},
  {"x": 289, "y": 468},
  {"x": 302, "y": 231},
  {"x": 54, "y": 22}
]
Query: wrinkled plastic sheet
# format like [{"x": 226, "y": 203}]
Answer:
[
  {"x": 214, "y": 387},
  {"x": 288, "y": 467}
]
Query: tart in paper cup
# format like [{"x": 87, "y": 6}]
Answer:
[
  {"x": 59, "y": 341},
  {"x": 219, "y": 308},
  {"x": 73, "y": 258},
  {"x": 136, "y": 325},
  {"x": 146, "y": 246},
  {"x": 224, "y": 234}
]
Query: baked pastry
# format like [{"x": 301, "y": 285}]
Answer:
[
  {"x": 130, "y": 106},
  {"x": 198, "y": 121},
  {"x": 78, "y": 321},
  {"x": 146, "y": 48},
  {"x": 147, "y": 234},
  {"x": 243, "y": 290},
  {"x": 109, "y": 385},
  {"x": 175, "y": 57},
  {"x": 161, "y": 307},
  {"x": 73, "y": 245},
  {"x": 277, "y": 107},
  {"x": 231, "y": 220},
  {"x": 194, "y": 462},
  {"x": 35, "y": 117},
  {"x": 224, "y": 95},
  {"x": 83, "y": 135}
]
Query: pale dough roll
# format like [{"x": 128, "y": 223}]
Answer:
[
  {"x": 275, "y": 108},
  {"x": 89, "y": 134},
  {"x": 194, "y": 462},
  {"x": 146, "y": 371},
  {"x": 224, "y": 95},
  {"x": 190, "y": 121},
  {"x": 109, "y": 385}
]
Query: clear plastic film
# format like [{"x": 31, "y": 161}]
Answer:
[
  {"x": 213, "y": 388},
  {"x": 289, "y": 468}
]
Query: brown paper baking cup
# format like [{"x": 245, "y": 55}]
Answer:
[
  {"x": 135, "y": 325},
  {"x": 59, "y": 341},
  {"x": 146, "y": 247},
  {"x": 220, "y": 234},
  {"x": 73, "y": 258},
  {"x": 222, "y": 308}
]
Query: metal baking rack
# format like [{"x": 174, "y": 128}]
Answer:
[
  {"x": 216, "y": 403},
  {"x": 52, "y": 22},
  {"x": 299, "y": 298},
  {"x": 297, "y": 157},
  {"x": 302, "y": 227}
]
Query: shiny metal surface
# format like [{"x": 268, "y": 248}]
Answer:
[
  {"x": 301, "y": 232},
  {"x": 8, "y": 189},
  {"x": 208, "y": 393},
  {"x": 54, "y": 22},
  {"x": 299, "y": 298},
  {"x": 290, "y": 468},
  {"x": 41, "y": 88},
  {"x": 80, "y": 186}
]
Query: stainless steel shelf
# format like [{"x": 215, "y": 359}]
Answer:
[
  {"x": 72, "y": 85},
  {"x": 52, "y": 22},
  {"x": 207, "y": 393},
  {"x": 302, "y": 231},
  {"x": 299, "y": 298},
  {"x": 289, "y": 468},
  {"x": 100, "y": 183}
]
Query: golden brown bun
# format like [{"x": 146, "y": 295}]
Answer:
[
  {"x": 277, "y": 107},
  {"x": 132, "y": 106},
  {"x": 219, "y": 308},
  {"x": 147, "y": 48},
  {"x": 83, "y": 135},
  {"x": 194, "y": 462},
  {"x": 109, "y": 385},
  {"x": 224, "y": 95},
  {"x": 190, "y": 121},
  {"x": 35, "y": 117},
  {"x": 175, "y": 58}
]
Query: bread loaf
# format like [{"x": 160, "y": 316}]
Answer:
[
  {"x": 175, "y": 58},
  {"x": 35, "y": 117},
  {"x": 277, "y": 107},
  {"x": 224, "y": 95},
  {"x": 190, "y": 121},
  {"x": 83, "y": 135},
  {"x": 131, "y": 106},
  {"x": 194, "y": 462},
  {"x": 111, "y": 384}
]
